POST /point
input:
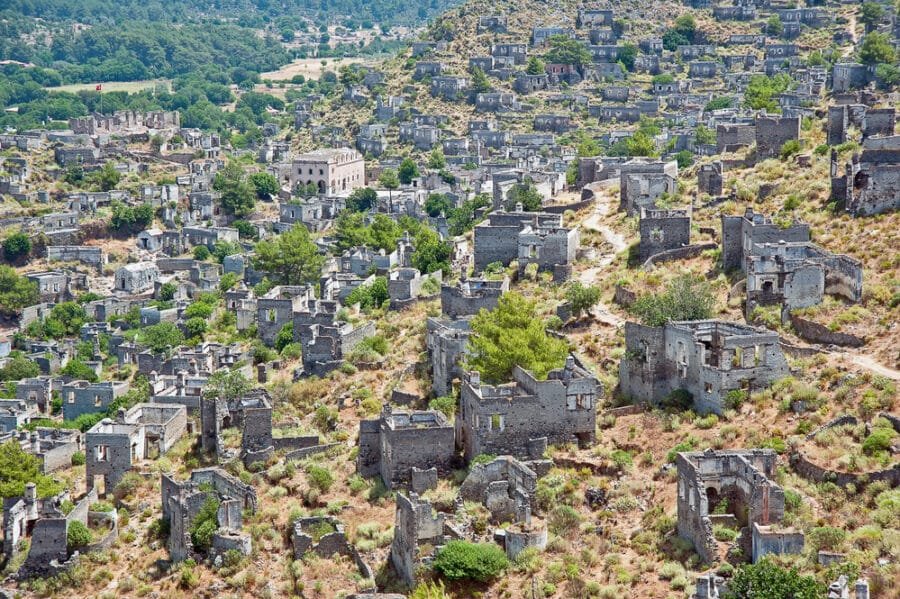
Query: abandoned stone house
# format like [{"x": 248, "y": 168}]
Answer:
[
  {"x": 541, "y": 35},
  {"x": 551, "y": 248},
  {"x": 446, "y": 341},
  {"x": 427, "y": 69},
  {"x": 146, "y": 431},
  {"x": 530, "y": 236},
  {"x": 602, "y": 35},
  {"x": 68, "y": 156},
  {"x": 252, "y": 415},
  {"x": 709, "y": 178},
  {"x": 872, "y": 122},
  {"x": 773, "y": 132},
  {"x": 89, "y": 255},
  {"x": 527, "y": 84},
  {"x": 510, "y": 54},
  {"x": 505, "y": 486},
  {"x": 704, "y": 69},
  {"x": 57, "y": 285},
  {"x": 83, "y": 397},
  {"x": 423, "y": 137},
  {"x": 492, "y": 23},
  {"x": 496, "y": 102},
  {"x": 398, "y": 444},
  {"x": 334, "y": 171},
  {"x": 15, "y": 413},
  {"x": 54, "y": 447},
  {"x": 182, "y": 502},
  {"x": 42, "y": 522},
  {"x": 740, "y": 233},
  {"x": 615, "y": 93},
  {"x": 642, "y": 182},
  {"x": 405, "y": 285},
  {"x": 325, "y": 346},
  {"x": 731, "y": 137},
  {"x": 744, "y": 481},
  {"x": 37, "y": 391},
  {"x": 557, "y": 123},
  {"x": 277, "y": 307},
  {"x": 871, "y": 180},
  {"x": 799, "y": 274},
  {"x": 706, "y": 358},
  {"x": 522, "y": 417},
  {"x": 662, "y": 230},
  {"x": 469, "y": 296},
  {"x": 846, "y": 76},
  {"x": 449, "y": 87},
  {"x": 417, "y": 527},
  {"x": 136, "y": 278},
  {"x": 588, "y": 17}
]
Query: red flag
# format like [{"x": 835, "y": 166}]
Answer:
[{"x": 99, "y": 87}]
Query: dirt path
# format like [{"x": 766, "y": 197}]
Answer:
[
  {"x": 851, "y": 25},
  {"x": 601, "y": 311},
  {"x": 869, "y": 363}
]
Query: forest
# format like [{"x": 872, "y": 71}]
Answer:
[{"x": 249, "y": 13}]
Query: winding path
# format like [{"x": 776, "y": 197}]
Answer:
[{"x": 601, "y": 311}]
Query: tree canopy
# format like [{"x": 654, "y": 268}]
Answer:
[
  {"x": 362, "y": 199},
  {"x": 565, "y": 50},
  {"x": 160, "y": 337},
  {"x": 291, "y": 258},
  {"x": 238, "y": 194},
  {"x": 513, "y": 334},
  {"x": 685, "y": 297},
  {"x": 16, "y": 291},
  {"x": 18, "y": 468},
  {"x": 767, "y": 580}
]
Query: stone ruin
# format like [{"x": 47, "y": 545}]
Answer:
[
  {"x": 871, "y": 180},
  {"x": 416, "y": 526},
  {"x": 182, "y": 502},
  {"x": 744, "y": 480},
  {"x": 397, "y": 444},
  {"x": 522, "y": 417},
  {"x": 663, "y": 230},
  {"x": 325, "y": 536},
  {"x": 505, "y": 486},
  {"x": 146, "y": 431},
  {"x": 706, "y": 358},
  {"x": 799, "y": 274},
  {"x": 252, "y": 414},
  {"x": 44, "y": 523}
]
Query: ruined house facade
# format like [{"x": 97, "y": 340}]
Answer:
[
  {"x": 522, "y": 417},
  {"x": 744, "y": 480},
  {"x": 870, "y": 183},
  {"x": 146, "y": 431},
  {"x": 706, "y": 358},
  {"x": 799, "y": 274},
  {"x": 182, "y": 502},
  {"x": 663, "y": 230},
  {"x": 398, "y": 442}
]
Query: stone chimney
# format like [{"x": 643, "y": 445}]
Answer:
[
  {"x": 30, "y": 493},
  {"x": 35, "y": 443}
]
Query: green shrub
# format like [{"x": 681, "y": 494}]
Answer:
[
  {"x": 205, "y": 525},
  {"x": 78, "y": 458},
  {"x": 77, "y": 535},
  {"x": 880, "y": 440},
  {"x": 564, "y": 519},
  {"x": 462, "y": 560},
  {"x": 445, "y": 404},
  {"x": 319, "y": 477}
]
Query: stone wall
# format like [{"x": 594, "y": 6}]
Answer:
[
  {"x": 682, "y": 253},
  {"x": 817, "y": 333}
]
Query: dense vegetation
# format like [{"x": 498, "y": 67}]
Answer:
[{"x": 249, "y": 12}]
